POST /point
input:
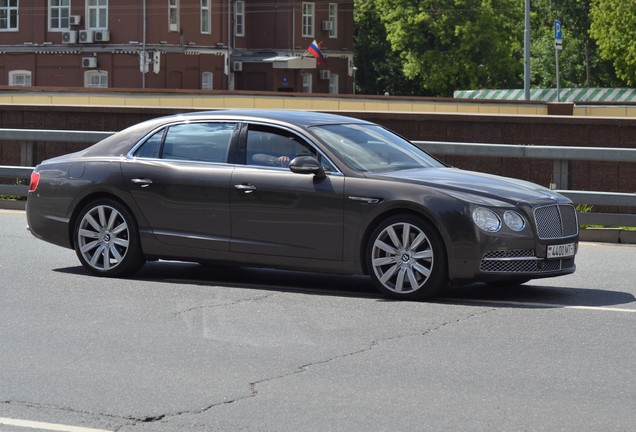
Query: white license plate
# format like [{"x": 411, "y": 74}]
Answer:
[{"x": 561, "y": 251}]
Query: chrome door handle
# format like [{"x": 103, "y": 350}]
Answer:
[
  {"x": 247, "y": 188},
  {"x": 143, "y": 182}
]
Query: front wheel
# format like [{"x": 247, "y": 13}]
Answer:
[
  {"x": 406, "y": 258},
  {"x": 107, "y": 239}
]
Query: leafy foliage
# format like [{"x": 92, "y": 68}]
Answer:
[
  {"x": 433, "y": 47},
  {"x": 580, "y": 62},
  {"x": 614, "y": 28},
  {"x": 446, "y": 45},
  {"x": 379, "y": 67}
]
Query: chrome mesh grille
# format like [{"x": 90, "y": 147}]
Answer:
[
  {"x": 515, "y": 253},
  {"x": 556, "y": 221},
  {"x": 525, "y": 266}
]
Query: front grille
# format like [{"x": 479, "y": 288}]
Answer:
[{"x": 556, "y": 221}]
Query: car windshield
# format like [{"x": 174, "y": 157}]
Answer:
[{"x": 371, "y": 148}]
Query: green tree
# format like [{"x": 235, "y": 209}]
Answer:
[
  {"x": 580, "y": 64},
  {"x": 448, "y": 45},
  {"x": 614, "y": 29},
  {"x": 379, "y": 68}
]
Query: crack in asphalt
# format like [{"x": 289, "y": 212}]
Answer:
[
  {"x": 229, "y": 303},
  {"x": 131, "y": 421},
  {"x": 303, "y": 368}
]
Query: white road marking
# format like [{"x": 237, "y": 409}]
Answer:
[
  {"x": 540, "y": 305},
  {"x": 46, "y": 426}
]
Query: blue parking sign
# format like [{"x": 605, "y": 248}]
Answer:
[{"x": 558, "y": 34}]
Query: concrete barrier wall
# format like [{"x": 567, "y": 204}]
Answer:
[{"x": 201, "y": 100}]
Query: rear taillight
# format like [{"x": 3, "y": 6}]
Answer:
[{"x": 35, "y": 180}]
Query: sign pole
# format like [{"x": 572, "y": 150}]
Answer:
[
  {"x": 558, "y": 46},
  {"x": 526, "y": 52},
  {"x": 558, "y": 80}
]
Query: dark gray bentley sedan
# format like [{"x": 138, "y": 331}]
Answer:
[{"x": 297, "y": 190}]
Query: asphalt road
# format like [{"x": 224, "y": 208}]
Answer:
[{"x": 182, "y": 347}]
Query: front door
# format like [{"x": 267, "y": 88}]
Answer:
[{"x": 278, "y": 212}]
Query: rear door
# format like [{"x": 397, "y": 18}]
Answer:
[{"x": 180, "y": 179}]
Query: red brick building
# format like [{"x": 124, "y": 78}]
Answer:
[{"x": 178, "y": 44}]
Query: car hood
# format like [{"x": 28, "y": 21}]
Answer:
[{"x": 488, "y": 186}]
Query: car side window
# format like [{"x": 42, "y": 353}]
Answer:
[
  {"x": 267, "y": 146},
  {"x": 198, "y": 142},
  {"x": 151, "y": 147}
]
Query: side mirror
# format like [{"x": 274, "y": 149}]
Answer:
[{"x": 306, "y": 165}]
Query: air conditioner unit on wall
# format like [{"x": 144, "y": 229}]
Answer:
[
  {"x": 327, "y": 26},
  {"x": 69, "y": 37},
  {"x": 89, "y": 62},
  {"x": 75, "y": 20},
  {"x": 325, "y": 74},
  {"x": 86, "y": 36},
  {"x": 237, "y": 66},
  {"x": 102, "y": 36}
]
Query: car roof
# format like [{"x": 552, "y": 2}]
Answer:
[
  {"x": 299, "y": 118},
  {"x": 119, "y": 143}
]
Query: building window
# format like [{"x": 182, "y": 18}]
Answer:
[
  {"x": 307, "y": 83},
  {"x": 8, "y": 15},
  {"x": 21, "y": 78},
  {"x": 205, "y": 16},
  {"x": 207, "y": 81},
  {"x": 59, "y": 13},
  {"x": 333, "y": 19},
  {"x": 308, "y": 19},
  {"x": 173, "y": 15},
  {"x": 97, "y": 14},
  {"x": 239, "y": 18},
  {"x": 334, "y": 83},
  {"x": 96, "y": 79}
]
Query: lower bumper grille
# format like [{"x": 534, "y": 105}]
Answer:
[{"x": 521, "y": 261}]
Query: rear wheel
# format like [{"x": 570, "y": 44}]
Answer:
[
  {"x": 107, "y": 239},
  {"x": 406, "y": 258}
]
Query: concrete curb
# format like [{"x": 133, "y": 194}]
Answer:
[{"x": 12, "y": 204}]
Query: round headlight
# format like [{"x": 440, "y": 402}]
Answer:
[
  {"x": 486, "y": 219},
  {"x": 514, "y": 220}
]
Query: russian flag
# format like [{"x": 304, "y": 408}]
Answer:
[{"x": 314, "y": 49}]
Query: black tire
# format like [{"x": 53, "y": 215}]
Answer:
[
  {"x": 106, "y": 239},
  {"x": 406, "y": 258}
]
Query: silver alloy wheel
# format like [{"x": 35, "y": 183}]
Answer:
[
  {"x": 402, "y": 258},
  {"x": 103, "y": 237}
]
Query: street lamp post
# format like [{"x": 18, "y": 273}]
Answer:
[{"x": 354, "y": 79}]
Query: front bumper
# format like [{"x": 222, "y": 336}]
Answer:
[
  {"x": 523, "y": 262},
  {"x": 504, "y": 256}
]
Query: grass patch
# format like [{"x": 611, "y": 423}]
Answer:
[{"x": 586, "y": 208}]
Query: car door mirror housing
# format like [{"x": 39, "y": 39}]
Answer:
[{"x": 306, "y": 165}]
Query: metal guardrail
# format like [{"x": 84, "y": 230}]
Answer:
[
  {"x": 528, "y": 151},
  {"x": 26, "y": 137},
  {"x": 53, "y": 135},
  {"x": 559, "y": 154}
]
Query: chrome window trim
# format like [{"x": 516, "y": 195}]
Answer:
[{"x": 238, "y": 122}]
